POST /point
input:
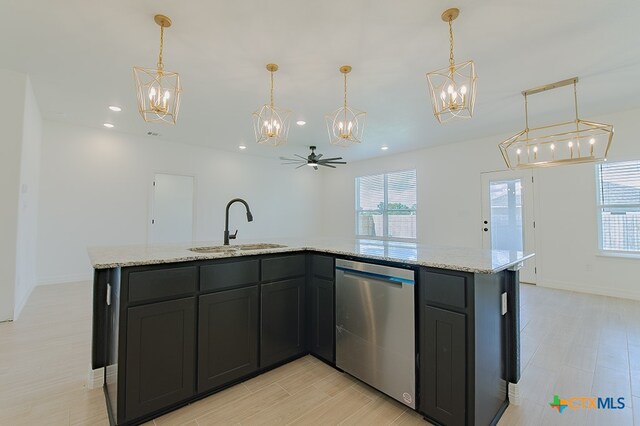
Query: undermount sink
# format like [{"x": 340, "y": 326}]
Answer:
[
  {"x": 213, "y": 249},
  {"x": 241, "y": 247},
  {"x": 261, "y": 246}
]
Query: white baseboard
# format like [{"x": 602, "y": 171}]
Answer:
[
  {"x": 514, "y": 394},
  {"x": 95, "y": 378},
  {"x": 602, "y": 291},
  {"x": 21, "y": 303},
  {"x": 65, "y": 279}
]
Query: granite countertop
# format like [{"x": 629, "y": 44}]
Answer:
[{"x": 454, "y": 258}]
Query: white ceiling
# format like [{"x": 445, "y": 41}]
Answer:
[{"x": 80, "y": 54}]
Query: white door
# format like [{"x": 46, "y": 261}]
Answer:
[
  {"x": 507, "y": 215},
  {"x": 172, "y": 209}
]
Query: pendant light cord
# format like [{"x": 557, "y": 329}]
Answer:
[
  {"x": 345, "y": 91},
  {"x": 160, "y": 65}
]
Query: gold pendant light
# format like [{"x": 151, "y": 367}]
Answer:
[
  {"x": 453, "y": 89},
  {"x": 346, "y": 124},
  {"x": 271, "y": 124},
  {"x": 158, "y": 90},
  {"x": 569, "y": 142}
]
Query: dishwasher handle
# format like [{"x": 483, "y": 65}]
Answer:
[{"x": 379, "y": 277}]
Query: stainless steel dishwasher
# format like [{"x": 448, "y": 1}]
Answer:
[{"x": 375, "y": 327}]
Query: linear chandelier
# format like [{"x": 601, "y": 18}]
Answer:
[
  {"x": 345, "y": 125},
  {"x": 453, "y": 88},
  {"x": 158, "y": 91},
  {"x": 271, "y": 124},
  {"x": 570, "y": 142}
]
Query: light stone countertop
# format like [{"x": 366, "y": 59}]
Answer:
[{"x": 453, "y": 258}]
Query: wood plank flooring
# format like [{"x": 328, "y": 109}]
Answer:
[{"x": 571, "y": 344}]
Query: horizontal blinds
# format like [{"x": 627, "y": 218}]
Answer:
[
  {"x": 386, "y": 205},
  {"x": 620, "y": 206}
]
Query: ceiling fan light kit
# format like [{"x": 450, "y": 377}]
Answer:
[
  {"x": 158, "y": 91},
  {"x": 570, "y": 142},
  {"x": 271, "y": 124},
  {"x": 345, "y": 125},
  {"x": 453, "y": 88},
  {"x": 313, "y": 160}
]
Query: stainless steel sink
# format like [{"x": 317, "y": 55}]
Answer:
[
  {"x": 231, "y": 249},
  {"x": 261, "y": 246}
]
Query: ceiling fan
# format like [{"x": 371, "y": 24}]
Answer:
[{"x": 313, "y": 160}]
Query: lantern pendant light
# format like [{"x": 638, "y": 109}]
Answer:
[
  {"x": 271, "y": 124},
  {"x": 568, "y": 142},
  {"x": 452, "y": 89},
  {"x": 346, "y": 124},
  {"x": 158, "y": 90}
]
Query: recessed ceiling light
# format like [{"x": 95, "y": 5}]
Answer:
[
  {"x": 242, "y": 146},
  {"x": 384, "y": 148},
  {"x": 115, "y": 108},
  {"x": 301, "y": 122},
  {"x": 108, "y": 125}
]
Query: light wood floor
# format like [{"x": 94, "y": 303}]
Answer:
[{"x": 572, "y": 344}]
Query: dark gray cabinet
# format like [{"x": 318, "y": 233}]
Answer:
[
  {"x": 160, "y": 355},
  {"x": 282, "y": 321},
  {"x": 227, "y": 336},
  {"x": 321, "y": 308},
  {"x": 463, "y": 344},
  {"x": 443, "y": 349}
]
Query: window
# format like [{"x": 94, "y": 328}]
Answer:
[
  {"x": 619, "y": 206},
  {"x": 386, "y": 206}
]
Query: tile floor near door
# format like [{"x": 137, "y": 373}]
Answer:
[{"x": 572, "y": 345}]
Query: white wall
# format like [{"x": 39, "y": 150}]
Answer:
[
  {"x": 12, "y": 87},
  {"x": 449, "y": 206},
  {"x": 26, "y": 246},
  {"x": 95, "y": 188}
]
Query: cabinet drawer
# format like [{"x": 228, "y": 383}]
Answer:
[
  {"x": 229, "y": 274},
  {"x": 444, "y": 289},
  {"x": 161, "y": 283},
  {"x": 322, "y": 266},
  {"x": 278, "y": 268}
]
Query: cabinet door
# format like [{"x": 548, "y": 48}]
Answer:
[
  {"x": 321, "y": 330},
  {"x": 282, "y": 321},
  {"x": 442, "y": 365},
  {"x": 160, "y": 356},
  {"x": 227, "y": 336}
]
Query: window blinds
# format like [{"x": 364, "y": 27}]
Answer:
[{"x": 619, "y": 206}]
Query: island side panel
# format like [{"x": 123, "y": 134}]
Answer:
[
  {"x": 99, "y": 324},
  {"x": 512, "y": 319}
]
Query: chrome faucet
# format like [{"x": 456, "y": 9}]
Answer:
[{"x": 227, "y": 235}]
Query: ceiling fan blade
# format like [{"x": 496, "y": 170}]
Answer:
[
  {"x": 289, "y": 159},
  {"x": 318, "y": 156},
  {"x": 300, "y": 156},
  {"x": 291, "y": 164},
  {"x": 333, "y": 162},
  {"x": 315, "y": 167},
  {"x": 301, "y": 165},
  {"x": 331, "y": 159},
  {"x": 327, "y": 165}
]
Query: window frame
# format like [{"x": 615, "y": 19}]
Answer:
[
  {"x": 599, "y": 207},
  {"x": 385, "y": 212}
]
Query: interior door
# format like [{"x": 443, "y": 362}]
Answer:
[
  {"x": 508, "y": 215},
  {"x": 172, "y": 210}
]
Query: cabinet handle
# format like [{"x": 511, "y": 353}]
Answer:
[{"x": 108, "y": 294}]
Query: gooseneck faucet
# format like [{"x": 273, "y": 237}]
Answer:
[{"x": 227, "y": 235}]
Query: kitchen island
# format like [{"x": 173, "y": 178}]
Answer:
[{"x": 172, "y": 325}]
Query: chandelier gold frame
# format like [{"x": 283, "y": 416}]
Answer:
[
  {"x": 452, "y": 88},
  {"x": 570, "y": 142},
  {"x": 345, "y": 125},
  {"x": 271, "y": 124},
  {"x": 158, "y": 91}
]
